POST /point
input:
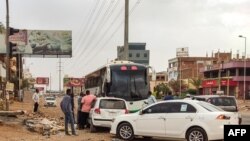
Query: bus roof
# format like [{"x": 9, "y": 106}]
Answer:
[{"x": 111, "y": 63}]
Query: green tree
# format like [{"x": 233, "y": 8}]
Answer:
[
  {"x": 196, "y": 82},
  {"x": 2, "y": 28},
  {"x": 161, "y": 88},
  {"x": 175, "y": 86}
]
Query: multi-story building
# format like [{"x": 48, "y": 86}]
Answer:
[
  {"x": 228, "y": 78},
  {"x": 161, "y": 77},
  {"x": 136, "y": 53},
  {"x": 185, "y": 68}
]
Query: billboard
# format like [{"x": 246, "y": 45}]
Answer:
[
  {"x": 182, "y": 52},
  {"x": 42, "y": 80},
  {"x": 73, "y": 82},
  {"x": 40, "y": 43}
]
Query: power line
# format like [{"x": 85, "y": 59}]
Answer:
[
  {"x": 90, "y": 58},
  {"x": 88, "y": 20},
  {"x": 92, "y": 25},
  {"x": 106, "y": 31},
  {"x": 99, "y": 27},
  {"x": 106, "y": 16},
  {"x": 92, "y": 11}
]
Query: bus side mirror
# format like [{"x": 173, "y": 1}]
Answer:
[{"x": 153, "y": 73}]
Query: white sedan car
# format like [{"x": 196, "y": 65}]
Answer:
[
  {"x": 105, "y": 110},
  {"x": 50, "y": 101},
  {"x": 184, "y": 119}
]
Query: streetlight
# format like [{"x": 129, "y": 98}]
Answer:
[{"x": 244, "y": 89}]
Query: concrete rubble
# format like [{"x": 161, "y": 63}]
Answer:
[
  {"x": 12, "y": 113},
  {"x": 44, "y": 126}
]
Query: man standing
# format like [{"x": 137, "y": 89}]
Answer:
[
  {"x": 66, "y": 106},
  {"x": 169, "y": 96},
  {"x": 79, "y": 111},
  {"x": 86, "y": 106},
  {"x": 151, "y": 98},
  {"x": 35, "y": 98}
]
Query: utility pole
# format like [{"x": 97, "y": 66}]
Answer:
[
  {"x": 126, "y": 29},
  {"x": 7, "y": 54},
  {"x": 60, "y": 71},
  {"x": 180, "y": 75},
  {"x": 50, "y": 83}
]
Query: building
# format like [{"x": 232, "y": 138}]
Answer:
[
  {"x": 189, "y": 67},
  {"x": 161, "y": 77},
  {"x": 185, "y": 68},
  {"x": 136, "y": 53},
  {"x": 228, "y": 78}
]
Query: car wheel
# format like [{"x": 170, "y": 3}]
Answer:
[
  {"x": 125, "y": 131},
  {"x": 92, "y": 127},
  {"x": 196, "y": 134}
]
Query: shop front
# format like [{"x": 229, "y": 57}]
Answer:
[{"x": 228, "y": 87}]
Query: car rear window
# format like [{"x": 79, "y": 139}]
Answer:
[
  {"x": 222, "y": 101},
  {"x": 209, "y": 107},
  {"x": 112, "y": 104}
]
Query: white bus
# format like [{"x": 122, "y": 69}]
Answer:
[{"x": 122, "y": 79}]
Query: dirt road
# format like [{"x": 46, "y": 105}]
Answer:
[{"x": 13, "y": 129}]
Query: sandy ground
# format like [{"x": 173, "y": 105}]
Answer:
[{"x": 13, "y": 129}]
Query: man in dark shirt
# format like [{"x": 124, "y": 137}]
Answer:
[
  {"x": 66, "y": 106},
  {"x": 169, "y": 96}
]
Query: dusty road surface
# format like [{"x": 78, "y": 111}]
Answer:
[{"x": 13, "y": 129}]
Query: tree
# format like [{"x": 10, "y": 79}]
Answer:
[
  {"x": 196, "y": 82},
  {"x": 161, "y": 88},
  {"x": 175, "y": 86},
  {"x": 2, "y": 28}
]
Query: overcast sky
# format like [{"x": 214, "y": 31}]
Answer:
[{"x": 164, "y": 25}]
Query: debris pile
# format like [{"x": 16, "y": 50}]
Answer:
[{"x": 44, "y": 125}]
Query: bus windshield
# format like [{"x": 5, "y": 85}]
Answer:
[{"x": 129, "y": 84}]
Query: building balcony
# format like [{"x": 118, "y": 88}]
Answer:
[{"x": 240, "y": 78}]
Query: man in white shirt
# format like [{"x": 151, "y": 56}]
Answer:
[{"x": 35, "y": 98}]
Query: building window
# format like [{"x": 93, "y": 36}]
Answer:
[
  {"x": 145, "y": 55},
  {"x": 137, "y": 54},
  {"x": 130, "y": 54}
]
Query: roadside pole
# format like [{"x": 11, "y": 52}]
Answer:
[{"x": 7, "y": 54}]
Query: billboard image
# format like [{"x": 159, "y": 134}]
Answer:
[
  {"x": 42, "y": 80},
  {"x": 42, "y": 42},
  {"x": 73, "y": 82}
]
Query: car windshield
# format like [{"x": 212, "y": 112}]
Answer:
[
  {"x": 112, "y": 104},
  {"x": 209, "y": 106},
  {"x": 222, "y": 101}
]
